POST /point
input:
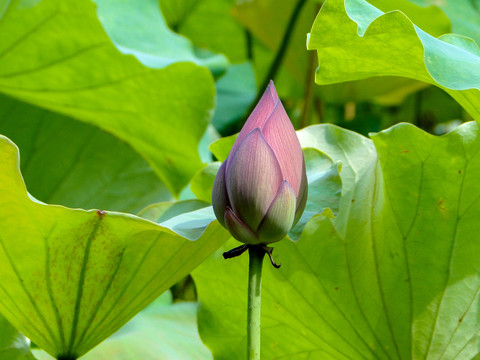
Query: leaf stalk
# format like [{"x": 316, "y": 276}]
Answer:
[{"x": 256, "y": 255}]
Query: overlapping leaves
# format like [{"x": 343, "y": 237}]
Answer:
[
  {"x": 374, "y": 43},
  {"x": 394, "y": 276},
  {"x": 56, "y": 55},
  {"x": 71, "y": 163},
  {"x": 70, "y": 278}
]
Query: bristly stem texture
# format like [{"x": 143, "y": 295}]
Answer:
[{"x": 256, "y": 254}]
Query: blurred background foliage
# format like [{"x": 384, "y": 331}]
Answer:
[{"x": 266, "y": 39}]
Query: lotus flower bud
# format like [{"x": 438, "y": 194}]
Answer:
[{"x": 260, "y": 191}]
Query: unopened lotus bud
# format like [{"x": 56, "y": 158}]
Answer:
[{"x": 260, "y": 191}]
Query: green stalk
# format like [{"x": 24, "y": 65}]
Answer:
[{"x": 256, "y": 254}]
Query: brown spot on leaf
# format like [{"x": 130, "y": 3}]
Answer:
[{"x": 441, "y": 205}]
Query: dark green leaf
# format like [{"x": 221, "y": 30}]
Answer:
[{"x": 75, "y": 164}]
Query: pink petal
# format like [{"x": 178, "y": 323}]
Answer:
[
  {"x": 259, "y": 115},
  {"x": 253, "y": 177},
  {"x": 238, "y": 229},
  {"x": 219, "y": 194},
  {"x": 281, "y": 136},
  {"x": 279, "y": 219}
]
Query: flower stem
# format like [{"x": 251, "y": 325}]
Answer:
[{"x": 256, "y": 254}]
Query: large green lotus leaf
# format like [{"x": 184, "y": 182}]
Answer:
[
  {"x": 70, "y": 277},
  {"x": 55, "y": 54},
  {"x": 394, "y": 276},
  {"x": 161, "y": 331},
  {"x": 137, "y": 27},
  {"x": 92, "y": 169},
  {"x": 13, "y": 345},
  {"x": 373, "y": 43}
]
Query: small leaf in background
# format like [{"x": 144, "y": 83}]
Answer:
[
  {"x": 62, "y": 60},
  {"x": 451, "y": 63},
  {"x": 85, "y": 273},
  {"x": 74, "y": 164},
  {"x": 161, "y": 331},
  {"x": 202, "y": 182},
  {"x": 13, "y": 345},
  {"x": 393, "y": 276},
  {"x": 221, "y": 148}
]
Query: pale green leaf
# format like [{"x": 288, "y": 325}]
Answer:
[
  {"x": 221, "y": 148},
  {"x": 71, "y": 163},
  {"x": 463, "y": 14},
  {"x": 70, "y": 277},
  {"x": 373, "y": 43},
  {"x": 161, "y": 212},
  {"x": 393, "y": 276},
  {"x": 202, "y": 182},
  {"x": 137, "y": 27},
  {"x": 188, "y": 218},
  {"x": 55, "y": 54}
]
